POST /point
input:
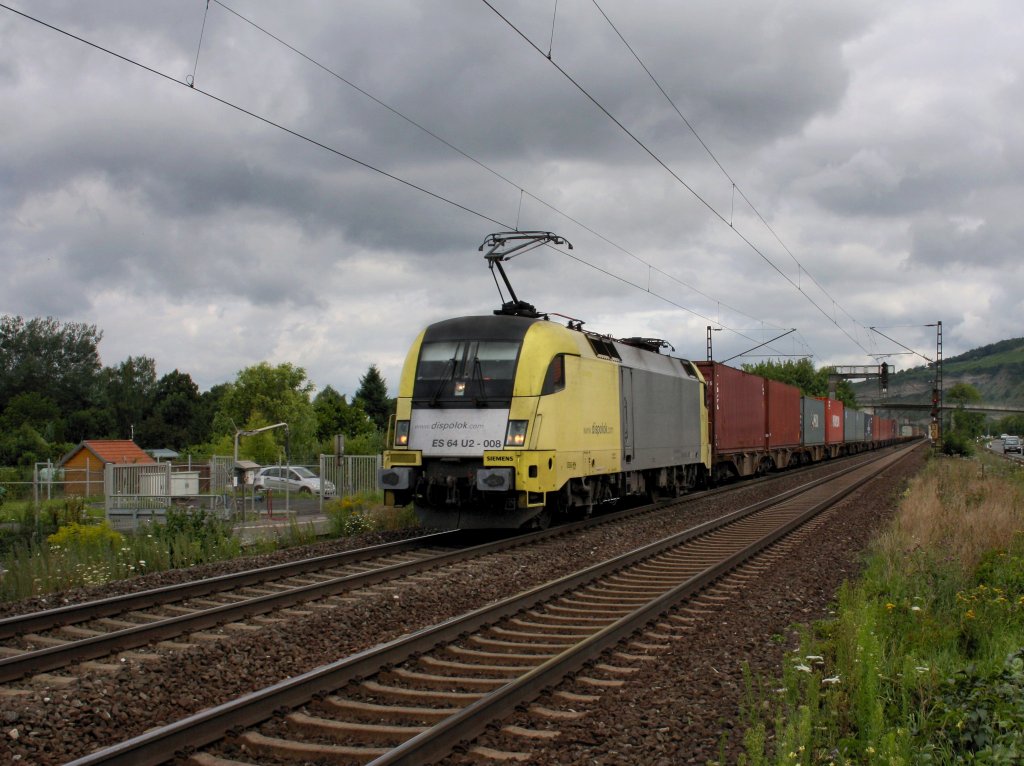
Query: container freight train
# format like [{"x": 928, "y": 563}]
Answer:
[{"x": 505, "y": 421}]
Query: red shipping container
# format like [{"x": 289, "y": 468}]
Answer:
[
  {"x": 783, "y": 415},
  {"x": 737, "y": 407},
  {"x": 889, "y": 429},
  {"x": 833, "y": 420}
]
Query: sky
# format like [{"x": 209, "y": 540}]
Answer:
[{"x": 219, "y": 185}]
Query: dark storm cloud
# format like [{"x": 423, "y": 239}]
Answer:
[
  {"x": 843, "y": 123},
  {"x": 938, "y": 243}
]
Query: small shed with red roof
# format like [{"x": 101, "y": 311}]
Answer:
[{"x": 83, "y": 466}]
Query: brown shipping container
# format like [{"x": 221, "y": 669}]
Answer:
[
  {"x": 833, "y": 421},
  {"x": 737, "y": 407},
  {"x": 783, "y": 415}
]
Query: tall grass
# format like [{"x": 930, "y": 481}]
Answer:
[
  {"x": 62, "y": 548},
  {"x": 923, "y": 662},
  {"x": 364, "y": 513},
  {"x": 78, "y": 555}
]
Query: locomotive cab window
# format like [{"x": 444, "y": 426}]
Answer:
[
  {"x": 472, "y": 371},
  {"x": 554, "y": 379}
]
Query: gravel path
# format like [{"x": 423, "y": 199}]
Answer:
[{"x": 674, "y": 713}]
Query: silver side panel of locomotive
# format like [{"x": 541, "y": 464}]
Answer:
[{"x": 661, "y": 417}]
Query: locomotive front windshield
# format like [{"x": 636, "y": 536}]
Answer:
[{"x": 466, "y": 372}]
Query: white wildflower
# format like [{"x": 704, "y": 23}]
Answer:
[
  {"x": 803, "y": 668},
  {"x": 832, "y": 680}
]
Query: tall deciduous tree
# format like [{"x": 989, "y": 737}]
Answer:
[
  {"x": 969, "y": 425},
  {"x": 174, "y": 420},
  {"x": 263, "y": 395},
  {"x": 335, "y": 416},
  {"x": 129, "y": 388},
  {"x": 372, "y": 395},
  {"x": 801, "y": 373},
  {"x": 55, "y": 360}
]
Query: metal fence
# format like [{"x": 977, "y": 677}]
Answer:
[
  {"x": 143, "y": 493},
  {"x": 137, "y": 493},
  {"x": 351, "y": 474}
]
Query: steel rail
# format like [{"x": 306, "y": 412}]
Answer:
[
  {"x": 472, "y": 720},
  {"x": 48, "y": 619},
  {"x": 54, "y": 657},
  {"x": 106, "y": 607},
  {"x": 160, "y": 744}
]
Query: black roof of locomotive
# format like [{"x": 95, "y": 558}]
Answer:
[{"x": 488, "y": 327}]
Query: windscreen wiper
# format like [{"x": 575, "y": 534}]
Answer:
[
  {"x": 449, "y": 374},
  {"x": 478, "y": 371}
]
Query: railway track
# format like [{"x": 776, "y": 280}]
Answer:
[
  {"x": 413, "y": 699},
  {"x": 98, "y": 636}
]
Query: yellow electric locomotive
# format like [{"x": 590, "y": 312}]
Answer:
[{"x": 509, "y": 420}]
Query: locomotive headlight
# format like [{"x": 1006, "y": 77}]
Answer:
[
  {"x": 402, "y": 433},
  {"x": 515, "y": 436}
]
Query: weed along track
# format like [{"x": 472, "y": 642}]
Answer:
[
  {"x": 176, "y": 617},
  {"x": 413, "y": 698}
]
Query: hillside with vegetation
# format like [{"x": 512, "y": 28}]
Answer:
[{"x": 995, "y": 372}]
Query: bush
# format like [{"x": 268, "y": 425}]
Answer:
[
  {"x": 86, "y": 536},
  {"x": 185, "y": 538},
  {"x": 979, "y": 717},
  {"x": 955, "y": 443}
]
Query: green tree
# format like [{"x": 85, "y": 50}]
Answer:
[
  {"x": 175, "y": 418},
  {"x": 24, "y": 447},
  {"x": 55, "y": 360},
  {"x": 968, "y": 425},
  {"x": 801, "y": 373},
  {"x": 129, "y": 389},
  {"x": 372, "y": 395},
  {"x": 263, "y": 395},
  {"x": 90, "y": 423},
  {"x": 334, "y": 415},
  {"x": 36, "y": 410},
  {"x": 1011, "y": 424}
]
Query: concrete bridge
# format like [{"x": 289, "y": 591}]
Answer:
[{"x": 989, "y": 409}]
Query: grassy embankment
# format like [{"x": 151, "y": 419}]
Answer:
[
  {"x": 63, "y": 545},
  {"x": 924, "y": 660}
]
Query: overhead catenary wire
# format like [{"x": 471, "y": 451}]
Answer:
[
  {"x": 319, "y": 144},
  {"x": 199, "y": 46},
  {"x": 735, "y": 187},
  {"x": 433, "y": 134},
  {"x": 679, "y": 179}
]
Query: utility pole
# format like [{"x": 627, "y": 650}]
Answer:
[
  {"x": 253, "y": 432},
  {"x": 937, "y": 390},
  {"x": 711, "y": 329}
]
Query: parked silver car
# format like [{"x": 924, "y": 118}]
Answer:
[{"x": 291, "y": 479}]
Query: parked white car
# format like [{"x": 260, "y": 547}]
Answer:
[{"x": 291, "y": 479}]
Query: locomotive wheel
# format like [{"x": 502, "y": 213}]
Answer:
[{"x": 541, "y": 521}]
